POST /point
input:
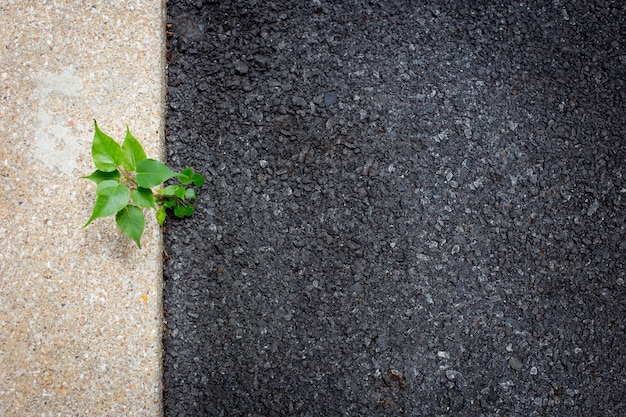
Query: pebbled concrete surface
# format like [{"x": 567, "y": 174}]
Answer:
[
  {"x": 80, "y": 309},
  {"x": 411, "y": 209}
]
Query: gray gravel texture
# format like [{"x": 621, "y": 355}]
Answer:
[{"x": 410, "y": 210}]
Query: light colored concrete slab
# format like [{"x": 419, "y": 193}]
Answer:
[{"x": 80, "y": 309}]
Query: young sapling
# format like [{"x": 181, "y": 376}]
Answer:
[{"x": 126, "y": 180}]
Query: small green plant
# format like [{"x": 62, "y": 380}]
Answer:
[{"x": 125, "y": 178}]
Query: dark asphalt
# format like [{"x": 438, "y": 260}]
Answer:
[{"x": 410, "y": 209}]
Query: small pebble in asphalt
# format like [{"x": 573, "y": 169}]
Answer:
[
  {"x": 515, "y": 363},
  {"x": 240, "y": 67},
  {"x": 330, "y": 98}
]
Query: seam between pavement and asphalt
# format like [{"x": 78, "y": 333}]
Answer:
[{"x": 80, "y": 309}]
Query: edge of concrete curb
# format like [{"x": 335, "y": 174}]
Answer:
[{"x": 80, "y": 309}]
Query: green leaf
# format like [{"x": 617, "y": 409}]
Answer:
[
  {"x": 143, "y": 197},
  {"x": 186, "y": 176},
  {"x": 171, "y": 190},
  {"x": 133, "y": 150},
  {"x": 190, "y": 194},
  {"x": 180, "y": 192},
  {"x": 112, "y": 197},
  {"x": 160, "y": 215},
  {"x": 98, "y": 176},
  {"x": 170, "y": 202},
  {"x": 151, "y": 173},
  {"x": 183, "y": 211},
  {"x": 198, "y": 180},
  {"x": 106, "y": 153},
  {"x": 130, "y": 220}
]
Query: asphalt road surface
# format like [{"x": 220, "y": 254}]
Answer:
[{"x": 410, "y": 210}]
